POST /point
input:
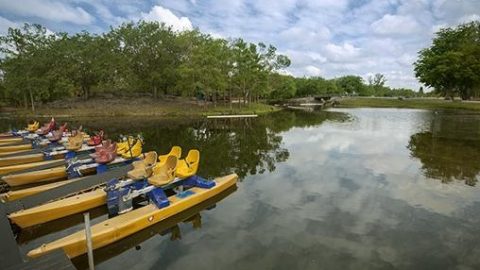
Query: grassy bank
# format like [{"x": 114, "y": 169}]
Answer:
[
  {"x": 413, "y": 103},
  {"x": 138, "y": 107}
]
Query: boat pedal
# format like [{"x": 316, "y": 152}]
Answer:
[
  {"x": 197, "y": 181},
  {"x": 159, "y": 198}
]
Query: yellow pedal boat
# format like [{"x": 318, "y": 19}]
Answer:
[
  {"x": 58, "y": 209},
  {"x": 78, "y": 203},
  {"x": 13, "y": 148},
  {"x": 119, "y": 227},
  {"x": 56, "y": 173},
  {"x": 10, "y": 139},
  {"x": 18, "y": 167},
  {"x": 21, "y": 159}
]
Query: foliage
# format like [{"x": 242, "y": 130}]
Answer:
[
  {"x": 283, "y": 87},
  {"x": 147, "y": 58},
  {"x": 443, "y": 158},
  {"x": 351, "y": 85},
  {"x": 452, "y": 64},
  {"x": 150, "y": 59}
]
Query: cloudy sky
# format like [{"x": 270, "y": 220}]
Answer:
[{"x": 326, "y": 38}]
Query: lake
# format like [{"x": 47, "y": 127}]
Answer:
[{"x": 336, "y": 189}]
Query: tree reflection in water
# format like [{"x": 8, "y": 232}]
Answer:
[
  {"x": 451, "y": 150},
  {"x": 246, "y": 146}
]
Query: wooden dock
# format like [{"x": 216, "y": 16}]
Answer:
[{"x": 231, "y": 116}]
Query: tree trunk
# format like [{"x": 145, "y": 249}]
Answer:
[
  {"x": 25, "y": 100},
  {"x": 230, "y": 98},
  {"x": 85, "y": 92},
  {"x": 31, "y": 100}
]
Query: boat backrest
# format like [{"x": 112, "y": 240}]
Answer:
[
  {"x": 176, "y": 151},
  {"x": 150, "y": 158},
  {"x": 193, "y": 160}
]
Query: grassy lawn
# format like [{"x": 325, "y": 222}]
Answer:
[
  {"x": 140, "y": 107},
  {"x": 414, "y": 103}
]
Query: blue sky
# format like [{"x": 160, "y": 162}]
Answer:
[{"x": 328, "y": 38}]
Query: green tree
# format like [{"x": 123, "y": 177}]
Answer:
[
  {"x": 283, "y": 87},
  {"x": 25, "y": 63},
  {"x": 150, "y": 55},
  {"x": 85, "y": 59},
  {"x": 350, "y": 84},
  {"x": 452, "y": 64}
]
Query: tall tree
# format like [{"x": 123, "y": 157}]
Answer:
[
  {"x": 452, "y": 64},
  {"x": 350, "y": 84},
  {"x": 23, "y": 66},
  {"x": 150, "y": 55}
]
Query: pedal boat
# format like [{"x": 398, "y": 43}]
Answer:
[
  {"x": 86, "y": 200},
  {"x": 121, "y": 226}
]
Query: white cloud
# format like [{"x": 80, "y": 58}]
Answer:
[
  {"x": 469, "y": 18},
  {"x": 308, "y": 38},
  {"x": 395, "y": 25},
  {"x": 49, "y": 10},
  {"x": 161, "y": 14},
  {"x": 312, "y": 71},
  {"x": 5, "y": 24},
  {"x": 341, "y": 53}
]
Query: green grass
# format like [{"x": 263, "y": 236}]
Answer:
[
  {"x": 414, "y": 103},
  {"x": 142, "y": 107}
]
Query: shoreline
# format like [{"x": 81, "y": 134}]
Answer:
[
  {"x": 137, "y": 107},
  {"x": 408, "y": 103}
]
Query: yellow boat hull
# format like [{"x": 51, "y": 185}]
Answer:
[
  {"x": 114, "y": 229},
  {"x": 13, "y": 152},
  {"x": 20, "y": 179},
  {"x": 25, "y": 192},
  {"x": 58, "y": 209},
  {"x": 13, "y": 148},
  {"x": 7, "y": 143},
  {"x": 8, "y": 161},
  {"x": 15, "y": 168},
  {"x": 10, "y": 139}
]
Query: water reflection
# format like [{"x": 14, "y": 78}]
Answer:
[
  {"x": 245, "y": 146},
  {"x": 343, "y": 194},
  {"x": 451, "y": 150}
]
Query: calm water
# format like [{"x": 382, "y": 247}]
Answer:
[{"x": 343, "y": 189}]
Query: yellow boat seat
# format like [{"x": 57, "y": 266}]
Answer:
[
  {"x": 75, "y": 142},
  {"x": 33, "y": 126},
  {"x": 134, "y": 151},
  {"x": 125, "y": 145},
  {"x": 143, "y": 168},
  {"x": 175, "y": 151},
  {"x": 188, "y": 167},
  {"x": 163, "y": 175}
]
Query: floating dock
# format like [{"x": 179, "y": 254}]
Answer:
[{"x": 232, "y": 116}]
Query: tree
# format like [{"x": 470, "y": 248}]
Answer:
[
  {"x": 205, "y": 68},
  {"x": 24, "y": 64},
  {"x": 283, "y": 87},
  {"x": 351, "y": 84},
  {"x": 85, "y": 58},
  {"x": 452, "y": 64},
  {"x": 150, "y": 55}
]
